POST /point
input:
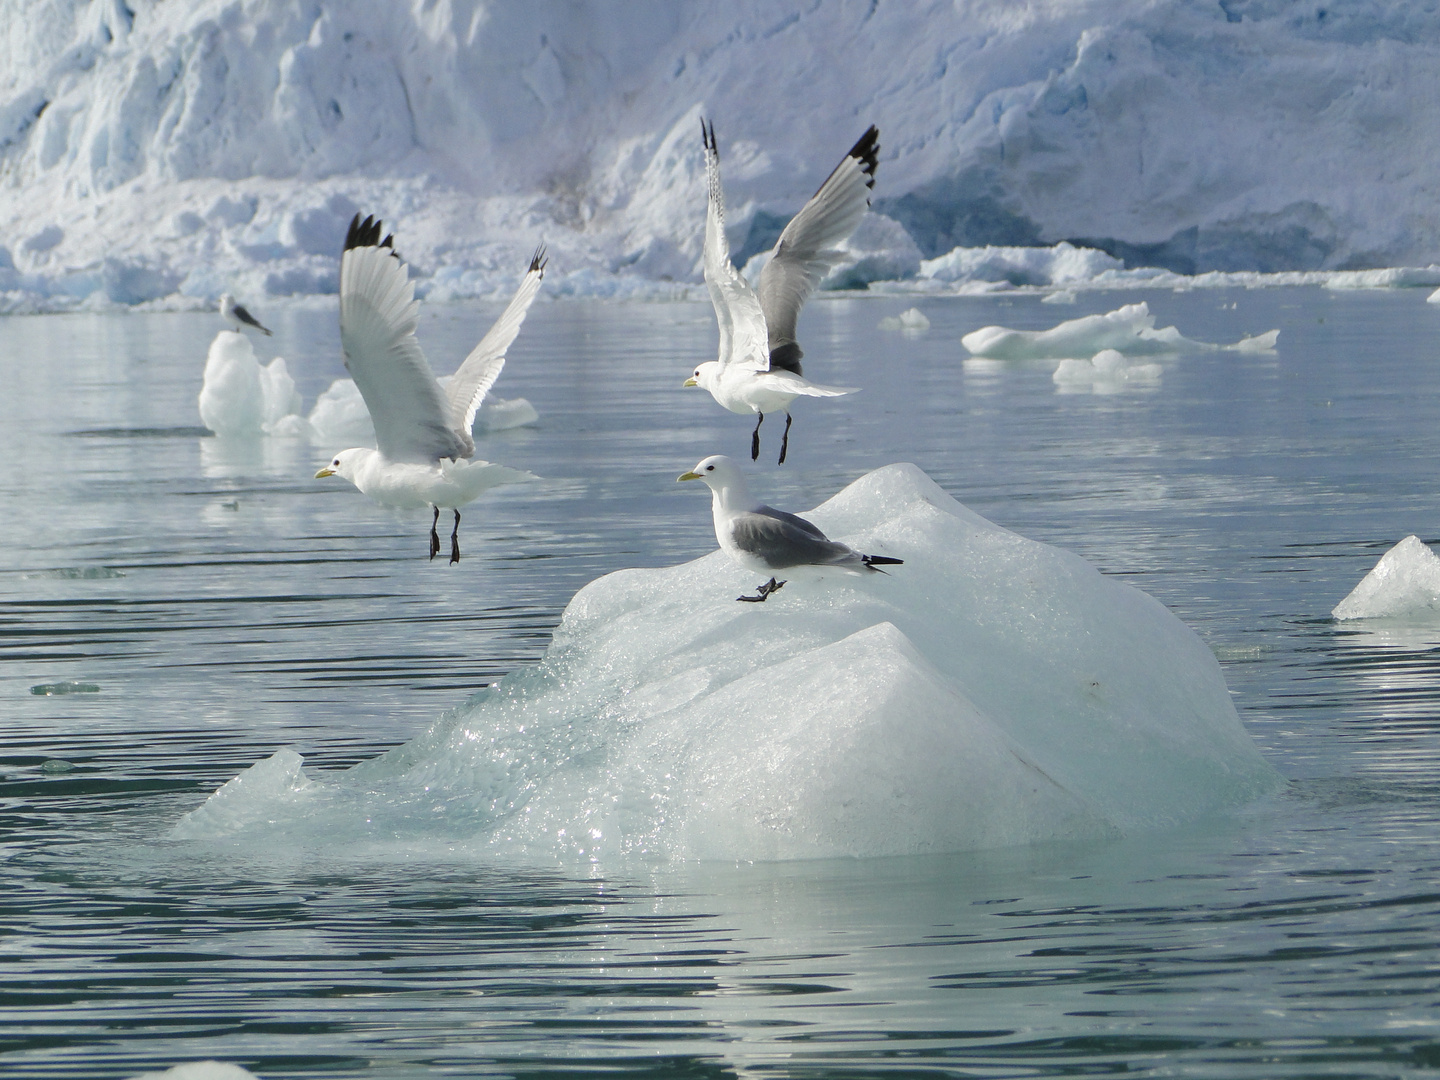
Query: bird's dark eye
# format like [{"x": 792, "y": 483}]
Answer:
[
  {"x": 335, "y": 462},
  {"x": 709, "y": 468}
]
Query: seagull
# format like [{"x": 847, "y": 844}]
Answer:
[
  {"x": 422, "y": 429},
  {"x": 235, "y": 313},
  {"x": 763, "y": 539},
  {"x": 758, "y": 370}
]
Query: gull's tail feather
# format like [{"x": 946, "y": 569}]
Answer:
[{"x": 874, "y": 562}]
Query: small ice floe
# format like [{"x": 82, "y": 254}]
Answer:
[
  {"x": 1129, "y": 330},
  {"x": 200, "y": 1070},
  {"x": 1104, "y": 373},
  {"x": 69, "y": 686},
  {"x": 1433, "y": 298},
  {"x": 1060, "y": 296},
  {"x": 242, "y": 399},
  {"x": 1404, "y": 583},
  {"x": 909, "y": 322}
]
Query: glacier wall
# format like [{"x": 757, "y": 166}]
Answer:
[{"x": 149, "y": 149}]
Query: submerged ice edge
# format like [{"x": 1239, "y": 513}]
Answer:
[{"x": 989, "y": 692}]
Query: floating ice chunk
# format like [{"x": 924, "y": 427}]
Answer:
[
  {"x": 1433, "y": 298},
  {"x": 1106, "y": 372},
  {"x": 1259, "y": 343},
  {"x": 1405, "y": 582},
  {"x": 1056, "y": 265},
  {"x": 1059, "y": 296},
  {"x": 910, "y": 321},
  {"x": 340, "y": 417},
  {"x": 990, "y": 691},
  {"x": 70, "y": 686},
  {"x": 1129, "y": 330},
  {"x": 201, "y": 1070},
  {"x": 240, "y": 398}
]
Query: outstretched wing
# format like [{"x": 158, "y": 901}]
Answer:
[
  {"x": 377, "y": 331},
  {"x": 806, "y": 250},
  {"x": 737, "y": 310},
  {"x": 482, "y": 367}
]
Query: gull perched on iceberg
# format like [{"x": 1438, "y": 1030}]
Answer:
[
  {"x": 763, "y": 539},
  {"x": 758, "y": 369},
  {"x": 238, "y": 316},
  {"x": 422, "y": 429}
]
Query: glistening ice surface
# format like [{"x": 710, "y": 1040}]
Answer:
[{"x": 224, "y": 606}]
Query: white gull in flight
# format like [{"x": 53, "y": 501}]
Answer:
[
  {"x": 238, "y": 316},
  {"x": 763, "y": 539},
  {"x": 422, "y": 429},
  {"x": 758, "y": 369}
]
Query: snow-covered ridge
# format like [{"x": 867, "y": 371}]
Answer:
[{"x": 160, "y": 150}]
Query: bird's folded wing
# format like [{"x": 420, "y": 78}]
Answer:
[
  {"x": 742, "y": 324},
  {"x": 806, "y": 249},
  {"x": 377, "y": 332},
  {"x": 780, "y": 542},
  {"x": 473, "y": 379}
]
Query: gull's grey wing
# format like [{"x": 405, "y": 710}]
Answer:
[
  {"x": 806, "y": 250},
  {"x": 473, "y": 379},
  {"x": 377, "y": 331},
  {"x": 743, "y": 337},
  {"x": 780, "y": 540},
  {"x": 249, "y": 320}
]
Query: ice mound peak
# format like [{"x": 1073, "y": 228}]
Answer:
[
  {"x": 1001, "y": 691},
  {"x": 240, "y": 398},
  {"x": 1405, "y": 582},
  {"x": 1129, "y": 330}
]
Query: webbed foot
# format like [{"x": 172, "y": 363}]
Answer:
[{"x": 762, "y": 592}]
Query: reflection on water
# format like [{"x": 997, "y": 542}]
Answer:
[{"x": 224, "y": 605}]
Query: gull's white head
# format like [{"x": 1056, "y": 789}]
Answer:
[
  {"x": 722, "y": 476},
  {"x": 345, "y": 464},
  {"x": 706, "y": 376}
]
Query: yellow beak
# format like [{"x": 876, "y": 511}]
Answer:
[
  {"x": 690, "y": 382},
  {"x": 327, "y": 471},
  {"x": 687, "y": 476}
]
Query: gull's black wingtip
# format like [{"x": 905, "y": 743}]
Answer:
[
  {"x": 538, "y": 261},
  {"x": 367, "y": 234},
  {"x": 707, "y": 136},
  {"x": 866, "y": 151}
]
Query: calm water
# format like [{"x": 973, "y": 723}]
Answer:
[{"x": 218, "y": 604}]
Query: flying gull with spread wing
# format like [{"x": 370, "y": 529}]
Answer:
[
  {"x": 422, "y": 430},
  {"x": 758, "y": 367}
]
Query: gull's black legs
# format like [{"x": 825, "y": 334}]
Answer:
[
  {"x": 785, "y": 439},
  {"x": 455, "y": 540},
  {"x": 434, "y": 536},
  {"x": 762, "y": 591},
  {"x": 755, "y": 439}
]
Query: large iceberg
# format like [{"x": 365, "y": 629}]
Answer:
[
  {"x": 991, "y": 691},
  {"x": 152, "y": 150}
]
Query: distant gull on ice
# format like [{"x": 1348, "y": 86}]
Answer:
[
  {"x": 758, "y": 369},
  {"x": 763, "y": 539},
  {"x": 238, "y": 316},
  {"x": 422, "y": 430}
]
